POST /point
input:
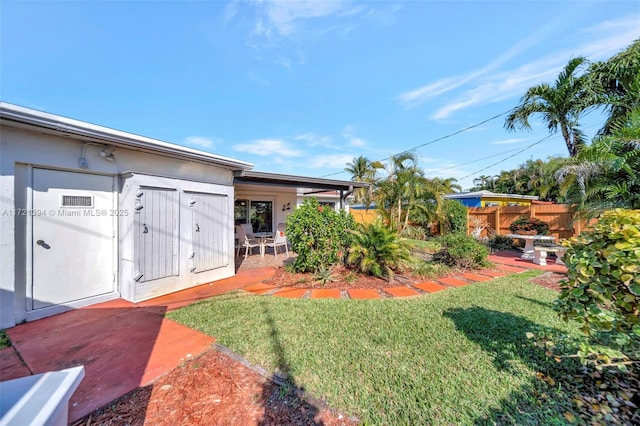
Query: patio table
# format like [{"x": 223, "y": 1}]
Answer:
[
  {"x": 528, "y": 251},
  {"x": 262, "y": 237}
]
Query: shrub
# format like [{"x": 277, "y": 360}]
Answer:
[
  {"x": 499, "y": 242},
  {"x": 525, "y": 223},
  {"x": 461, "y": 251},
  {"x": 454, "y": 217},
  {"x": 376, "y": 250},
  {"x": 414, "y": 233},
  {"x": 319, "y": 235},
  {"x": 602, "y": 290}
]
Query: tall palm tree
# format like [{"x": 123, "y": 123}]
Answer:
[
  {"x": 364, "y": 170},
  {"x": 606, "y": 174},
  {"x": 560, "y": 105},
  {"x": 618, "y": 81}
]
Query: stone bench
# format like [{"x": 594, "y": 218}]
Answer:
[{"x": 540, "y": 254}]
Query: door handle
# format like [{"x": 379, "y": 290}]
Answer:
[
  {"x": 146, "y": 230},
  {"x": 43, "y": 244},
  {"x": 197, "y": 228}
]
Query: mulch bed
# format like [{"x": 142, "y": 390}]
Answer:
[
  {"x": 215, "y": 389},
  {"x": 342, "y": 278}
]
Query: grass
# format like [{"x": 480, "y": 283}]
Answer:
[
  {"x": 4, "y": 340},
  {"x": 456, "y": 357},
  {"x": 427, "y": 246}
]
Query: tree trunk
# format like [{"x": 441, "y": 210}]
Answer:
[{"x": 567, "y": 139}]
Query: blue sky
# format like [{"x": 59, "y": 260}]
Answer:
[{"x": 303, "y": 87}]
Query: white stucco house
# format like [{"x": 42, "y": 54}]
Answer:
[{"x": 89, "y": 213}]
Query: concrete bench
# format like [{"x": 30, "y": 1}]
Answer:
[
  {"x": 540, "y": 254},
  {"x": 42, "y": 399}
]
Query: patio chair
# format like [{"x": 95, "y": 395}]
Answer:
[
  {"x": 279, "y": 240},
  {"x": 245, "y": 242}
]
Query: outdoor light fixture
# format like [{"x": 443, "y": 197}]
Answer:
[
  {"x": 106, "y": 153},
  {"x": 286, "y": 207}
]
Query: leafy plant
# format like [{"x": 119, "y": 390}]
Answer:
[
  {"x": 324, "y": 275},
  {"x": 527, "y": 223},
  {"x": 423, "y": 269},
  {"x": 414, "y": 233},
  {"x": 461, "y": 251},
  {"x": 454, "y": 217},
  {"x": 602, "y": 291},
  {"x": 376, "y": 250},
  {"x": 4, "y": 340},
  {"x": 499, "y": 242},
  {"x": 319, "y": 235}
]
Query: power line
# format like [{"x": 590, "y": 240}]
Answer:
[
  {"x": 479, "y": 159},
  {"x": 511, "y": 156},
  {"x": 435, "y": 140}
]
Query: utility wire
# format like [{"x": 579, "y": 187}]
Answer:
[
  {"x": 479, "y": 159},
  {"x": 511, "y": 156},
  {"x": 435, "y": 140}
]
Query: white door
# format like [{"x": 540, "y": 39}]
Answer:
[{"x": 73, "y": 237}]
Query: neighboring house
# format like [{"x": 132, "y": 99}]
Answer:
[
  {"x": 491, "y": 199},
  {"x": 89, "y": 214}
]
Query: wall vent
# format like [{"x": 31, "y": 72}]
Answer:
[{"x": 76, "y": 201}]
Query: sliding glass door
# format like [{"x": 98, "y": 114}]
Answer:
[{"x": 258, "y": 213}]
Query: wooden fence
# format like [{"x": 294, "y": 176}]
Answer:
[
  {"x": 364, "y": 216},
  {"x": 558, "y": 216}
]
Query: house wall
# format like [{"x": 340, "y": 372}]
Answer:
[
  {"x": 284, "y": 200},
  {"x": 23, "y": 149},
  {"x": 503, "y": 201}
]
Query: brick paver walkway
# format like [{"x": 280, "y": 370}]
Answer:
[{"x": 504, "y": 266}]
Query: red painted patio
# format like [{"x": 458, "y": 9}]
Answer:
[{"x": 124, "y": 345}]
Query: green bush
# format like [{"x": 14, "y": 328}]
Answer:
[
  {"x": 376, "y": 250},
  {"x": 602, "y": 290},
  {"x": 319, "y": 236},
  {"x": 454, "y": 217},
  {"x": 499, "y": 242},
  {"x": 414, "y": 233},
  {"x": 526, "y": 223},
  {"x": 461, "y": 251}
]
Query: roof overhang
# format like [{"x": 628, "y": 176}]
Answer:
[
  {"x": 21, "y": 117},
  {"x": 305, "y": 185}
]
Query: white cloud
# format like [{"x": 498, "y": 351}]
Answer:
[
  {"x": 285, "y": 17},
  {"x": 604, "y": 40},
  {"x": 264, "y": 147},
  {"x": 507, "y": 141},
  {"x": 337, "y": 161},
  {"x": 357, "y": 142},
  {"x": 315, "y": 140},
  {"x": 199, "y": 141}
]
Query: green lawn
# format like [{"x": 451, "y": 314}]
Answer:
[{"x": 460, "y": 356}]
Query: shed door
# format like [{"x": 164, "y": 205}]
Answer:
[
  {"x": 210, "y": 231},
  {"x": 73, "y": 238}
]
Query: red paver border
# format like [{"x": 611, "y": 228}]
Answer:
[
  {"x": 454, "y": 282},
  {"x": 326, "y": 293},
  {"x": 260, "y": 288},
  {"x": 363, "y": 293},
  {"x": 475, "y": 277},
  {"x": 401, "y": 291},
  {"x": 292, "y": 293},
  {"x": 430, "y": 287}
]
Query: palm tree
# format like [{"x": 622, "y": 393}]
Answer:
[
  {"x": 398, "y": 193},
  {"x": 364, "y": 170},
  {"x": 606, "y": 174},
  {"x": 561, "y": 105},
  {"x": 618, "y": 81}
]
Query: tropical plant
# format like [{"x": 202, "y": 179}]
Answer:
[
  {"x": 364, "y": 170},
  {"x": 560, "y": 105},
  {"x": 378, "y": 250},
  {"x": 606, "y": 174},
  {"x": 499, "y": 242},
  {"x": 461, "y": 251},
  {"x": 319, "y": 235},
  {"x": 617, "y": 80},
  {"x": 454, "y": 217},
  {"x": 528, "y": 223},
  {"x": 325, "y": 275},
  {"x": 602, "y": 290}
]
